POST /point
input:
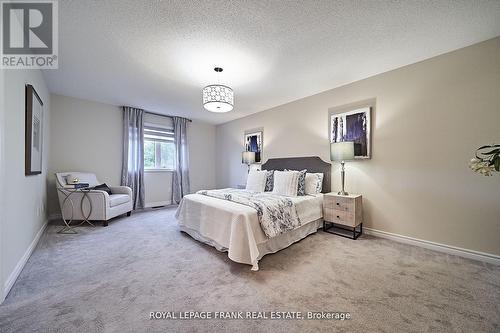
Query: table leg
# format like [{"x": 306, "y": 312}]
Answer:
[
  {"x": 86, "y": 217},
  {"x": 67, "y": 229}
]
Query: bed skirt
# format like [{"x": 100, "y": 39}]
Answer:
[{"x": 271, "y": 245}]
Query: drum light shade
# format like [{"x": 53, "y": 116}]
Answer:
[
  {"x": 248, "y": 157},
  {"x": 342, "y": 151},
  {"x": 218, "y": 98}
]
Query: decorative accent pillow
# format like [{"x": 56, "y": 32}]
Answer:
[
  {"x": 269, "y": 180},
  {"x": 103, "y": 187},
  {"x": 286, "y": 183},
  {"x": 256, "y": 180},
  {"x": 314, "y": 183},
  {"x": 301, "y": 188}
]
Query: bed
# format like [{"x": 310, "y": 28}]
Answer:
[{"x": 235, "y": 228}]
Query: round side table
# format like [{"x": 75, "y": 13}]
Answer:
[{"x": 67, "y": 192}]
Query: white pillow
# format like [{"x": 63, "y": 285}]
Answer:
[
  {"x": 314, "y": 183},
  {"x": 286, "y": 183},
  {"x": 256, "y": 180}
]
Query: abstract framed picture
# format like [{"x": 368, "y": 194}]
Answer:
[
  {"x": 353, "y": 125},
  {"x": 33, "y": 132},
  {"x": 253, "y": 142}
]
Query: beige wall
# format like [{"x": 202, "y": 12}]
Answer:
[
  {"x": 23, "y": 203},
  {"x": 2, "y": 175},
  {"x": 87, "y": 136},
  {"x": 201, "y": 138},
  {"x": 429, "y": 119}
]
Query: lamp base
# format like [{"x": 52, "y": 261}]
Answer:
[{"x": 342, "y": 179}]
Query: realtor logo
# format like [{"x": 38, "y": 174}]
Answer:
[{"x": 29, "y": 34}]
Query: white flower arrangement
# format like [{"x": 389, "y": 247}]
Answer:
[
  {"x": 482, "y": 167},
  {"x": 486, "y": 162}
]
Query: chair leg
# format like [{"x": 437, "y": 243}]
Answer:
[
  {"x": 129, "y": 213},
  {"x": 105, "y": 223}
]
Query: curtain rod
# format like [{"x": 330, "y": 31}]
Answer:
[{"x": 166, "y": 115}]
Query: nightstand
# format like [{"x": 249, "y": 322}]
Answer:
[{"x": 343, "y": 215}]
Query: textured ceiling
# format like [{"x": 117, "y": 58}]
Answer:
[{"x": 158, "y": 55}]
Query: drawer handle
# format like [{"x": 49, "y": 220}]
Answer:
[
  {"x": 338, "y": 216},
  {"x": 338, "y": 204}
]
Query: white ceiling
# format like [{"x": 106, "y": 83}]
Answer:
[{"x": 158, "y": 55}]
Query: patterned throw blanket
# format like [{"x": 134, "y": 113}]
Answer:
[{"x": 276, "y": 213}]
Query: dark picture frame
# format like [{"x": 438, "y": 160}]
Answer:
[
  {"x": 352, "y": 123},
  {"x": 33, "y": 132},
  {"x": 253, "y": 141}
]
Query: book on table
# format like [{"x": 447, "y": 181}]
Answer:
[{"x": 77, "y": 186}]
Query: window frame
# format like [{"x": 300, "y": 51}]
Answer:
[{"x": 158, "y": 147}]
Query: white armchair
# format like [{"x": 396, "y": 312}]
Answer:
[{"x": 104, "y": 205}]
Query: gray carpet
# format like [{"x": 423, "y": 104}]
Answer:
[{"x": 109, "y": 279}]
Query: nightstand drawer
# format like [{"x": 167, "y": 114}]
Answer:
[
  {"x": 338, "y": 216},
  {"x": 339, "y": 203}
]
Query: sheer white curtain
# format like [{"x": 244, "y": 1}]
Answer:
[
  {"x": 133, "y": 153},
  {"x": 180, "y": 182}
]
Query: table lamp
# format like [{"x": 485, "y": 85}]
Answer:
[
  {"x": 248, "y": 158},
  {"x": 342, "y": 151}
]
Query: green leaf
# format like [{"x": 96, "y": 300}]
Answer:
[
  {"x": 488, "y": 146},
  {"x": 495, "y": 151}
]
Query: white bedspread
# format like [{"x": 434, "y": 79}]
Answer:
[{"x": 235, "y": 228}]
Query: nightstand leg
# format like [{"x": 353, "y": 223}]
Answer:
[{"x": 354, "y": 235}]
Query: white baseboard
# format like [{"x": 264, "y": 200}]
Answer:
[
  {"x": 458, "y": 251},
  {"x": 22, "y": 262},
  {"x": 157, "y": 204}
]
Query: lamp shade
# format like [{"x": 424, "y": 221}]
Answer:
[
  {"x": 342, "y": 151},
  {"x": 248, "y": 157},
  {"x": 218, "y": 98}
]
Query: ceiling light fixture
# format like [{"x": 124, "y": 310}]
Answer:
[{"x": 218, "y": 97}]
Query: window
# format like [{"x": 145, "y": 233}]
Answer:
[{"x": 159, "y": 148}]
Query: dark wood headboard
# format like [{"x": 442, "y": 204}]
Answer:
[{"x": 311, "y": 163}]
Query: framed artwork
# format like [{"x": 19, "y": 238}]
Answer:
[
  {"x": 353, "y": 125},
  {"x": 33, "y": 132},
  {"x": 253, "y": 142}
]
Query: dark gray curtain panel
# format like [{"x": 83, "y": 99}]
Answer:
[
  {"x": 133, "y": 153},
  {"x": 180, "y": 182}
]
